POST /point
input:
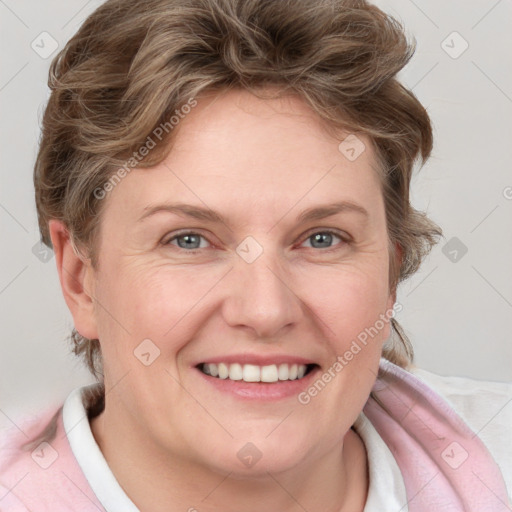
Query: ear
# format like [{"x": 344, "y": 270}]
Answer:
[{"x": 76, "y": 280}]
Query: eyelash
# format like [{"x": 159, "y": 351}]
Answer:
[{"x": 344, "y": 240}]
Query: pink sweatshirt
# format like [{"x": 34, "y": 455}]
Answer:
[{"x": 444, "y": 465}]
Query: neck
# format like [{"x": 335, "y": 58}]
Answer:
[{"x": 335, "y": 482}]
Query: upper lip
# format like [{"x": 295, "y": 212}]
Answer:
[{"x": 256, "y": 359}]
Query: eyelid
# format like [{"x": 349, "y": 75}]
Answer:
[
  {"x": 169, "y": 237},
  {"x": 342, "y": 234},
  {"x": 344, "y": 237}
]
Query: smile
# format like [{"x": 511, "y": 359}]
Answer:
[{"x": 253, "y": 373}]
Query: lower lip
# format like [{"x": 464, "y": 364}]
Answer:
[{"x": 265, "y": 391}]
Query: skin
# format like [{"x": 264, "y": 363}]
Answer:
[{"x": 170, "y": 438}]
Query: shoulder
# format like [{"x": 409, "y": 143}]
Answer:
[
  {"x": 485, "y": 406},
  {"x": 38, "y": 470}
]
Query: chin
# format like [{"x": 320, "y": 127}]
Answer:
[{"x": 258, "y": 456}]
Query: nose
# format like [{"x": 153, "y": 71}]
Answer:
[{"x": 261, "y": 298}]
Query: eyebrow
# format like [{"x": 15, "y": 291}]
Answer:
[{"x": 206, "y": 214}]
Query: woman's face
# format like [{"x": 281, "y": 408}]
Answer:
[{"x": 257, "y": 248}]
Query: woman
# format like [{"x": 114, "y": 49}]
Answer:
[{"x": 225, "y": 185}]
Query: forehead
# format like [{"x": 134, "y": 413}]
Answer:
[
  {"x": 277, "y": 128},
  {"x": 263, "y": 155}
]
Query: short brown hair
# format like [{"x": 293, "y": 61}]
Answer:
[{"x": 132, "y": 64}]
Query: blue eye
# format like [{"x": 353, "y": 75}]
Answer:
[
  {"x": 189, "y": 241},
  {"x": 323, "y": 239}
]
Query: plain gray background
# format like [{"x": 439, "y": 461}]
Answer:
[{"x": 457, "y": 309}]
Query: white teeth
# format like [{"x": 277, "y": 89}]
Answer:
[
  {"x": 251, "y": 373},
  {"x": 269, "y": 373},
  {"x": 223, "y": 370},
  {"x": 254, "y": 373},
  {"x": 283, "y": 372},
  {"x": 235, "y": 372}
]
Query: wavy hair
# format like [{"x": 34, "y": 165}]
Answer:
[{"x": 133, "y": 64}]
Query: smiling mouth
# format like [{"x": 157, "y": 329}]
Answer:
[{"x": 253, "y": 373}]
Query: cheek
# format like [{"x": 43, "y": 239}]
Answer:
[
  {"x": 143, "y": 301},
  {"x": 347, "y": 300}
]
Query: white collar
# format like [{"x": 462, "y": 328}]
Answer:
[
  {"x": 89, "y": 457},
  {"x": 386, "y": 488}
]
